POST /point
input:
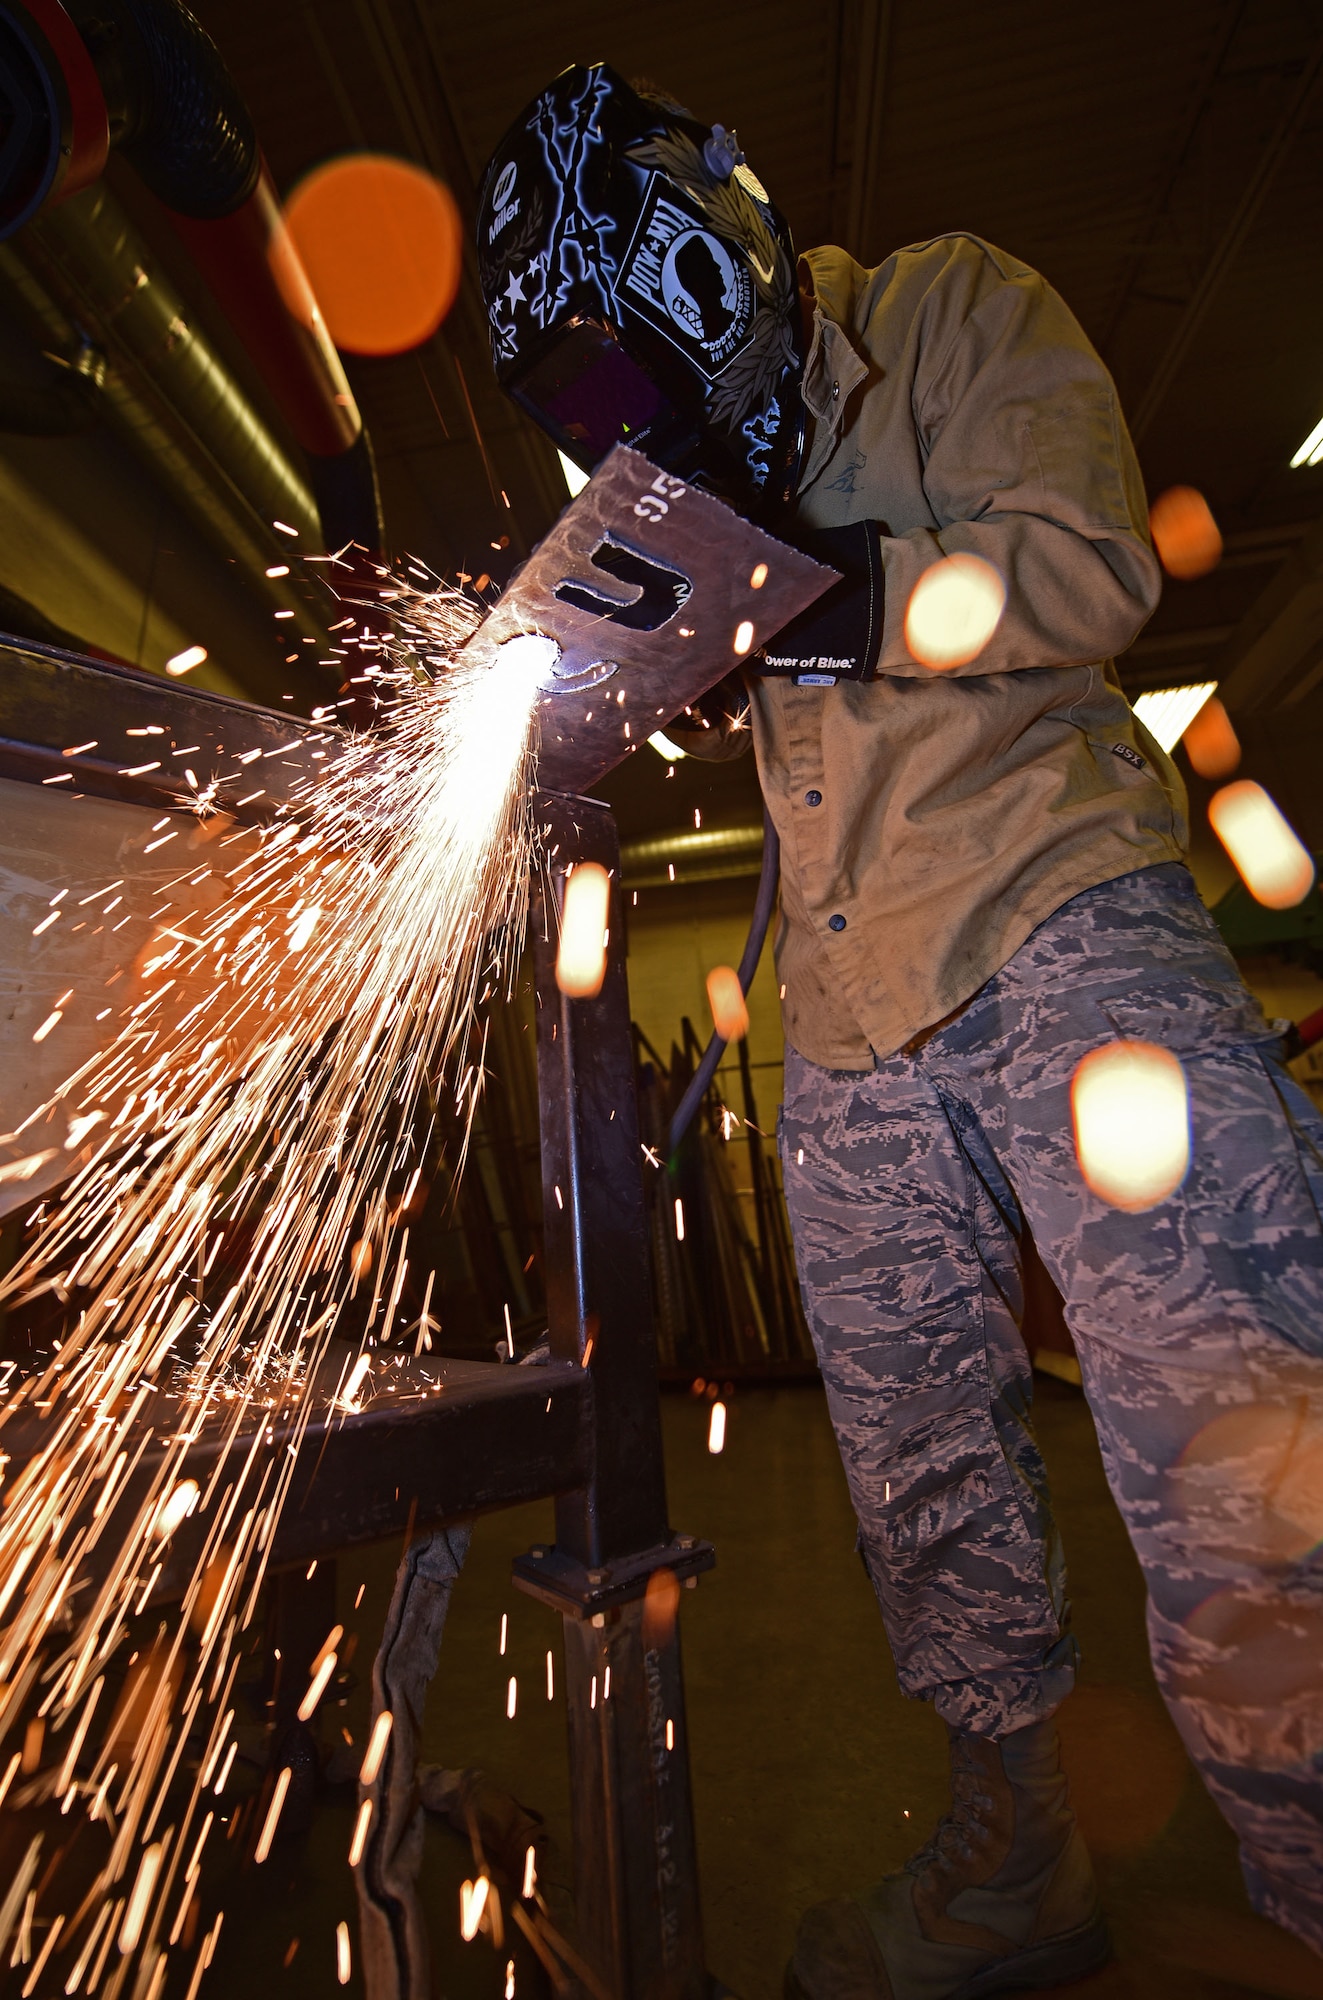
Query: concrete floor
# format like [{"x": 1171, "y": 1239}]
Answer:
[{"x": 811, "y": 1774}]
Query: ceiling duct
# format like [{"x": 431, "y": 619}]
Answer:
[
  {"x": 81, "y": 270},
  {"x": 145, "y": 77}
]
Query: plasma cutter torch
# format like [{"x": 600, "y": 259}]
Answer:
[{"x": 643, "y": 596}]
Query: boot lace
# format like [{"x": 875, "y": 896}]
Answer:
[{"x": 964, "y": 1827}]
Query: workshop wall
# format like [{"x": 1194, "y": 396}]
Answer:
[{"x": 676, "y": 934}]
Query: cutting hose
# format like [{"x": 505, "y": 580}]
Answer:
[{"x": 753, "y": 951}]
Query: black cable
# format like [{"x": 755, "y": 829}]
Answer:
[{"x": 753, "y": 951}]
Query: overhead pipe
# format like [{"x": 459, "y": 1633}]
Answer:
[
  {"x": 88, "y": 255},
  {"x": 280, "y": 323},
  {"x": 82, "y": 269},
  {"x": 131, "y": 405},
  {"x": 167, "y": 102}
]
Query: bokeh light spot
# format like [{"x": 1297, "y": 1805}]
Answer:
[
  {"x": 581, "y": 954},
  {"x": 1275, "y": 868},
  {"x": 383, "y": 244},
  {"x": 1256, "y": 1472},
  {"x": 1257, "y": 1656},
  {"x": 953, "y": 611},
  {"x": 1211, "y": 744},
  {"x": 1132, "y": 1123},
  {"x": 176, "y": 1507},
  {"x": 725, "y": 996},
  {"x": 184, "y": 663},
  {"x": 1185, "y": 535},
  {"x": 661, "y": 1605}
]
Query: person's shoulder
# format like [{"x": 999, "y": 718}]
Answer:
[
  {"x": 948, "y": 274},
  {"x": 957, "y": 249},
  {"x": 960, "y": 248},
  {"x": 956, "y": 263}
]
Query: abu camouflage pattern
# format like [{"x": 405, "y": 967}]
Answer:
[{"x": 1199, "y": 1327}]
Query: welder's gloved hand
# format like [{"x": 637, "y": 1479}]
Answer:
[
  {"x": 839, "y": 637},
  {"x": 716, "y": 726}
]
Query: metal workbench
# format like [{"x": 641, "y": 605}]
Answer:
[{"x": 455, "y": 1438}]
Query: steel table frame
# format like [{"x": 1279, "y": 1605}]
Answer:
[{"x": 460, "y": 1438}]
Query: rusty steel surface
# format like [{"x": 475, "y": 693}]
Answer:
[
  {"x": 643, "y": 584},
  {"x": 63, "y": 714}
]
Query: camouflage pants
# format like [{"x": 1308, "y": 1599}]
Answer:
[{"x": 1199, "y": 1327}]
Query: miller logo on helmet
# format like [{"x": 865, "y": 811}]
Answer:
[
  {"x": 506, "y": 210},
  {"x": 641, "y": 289}
]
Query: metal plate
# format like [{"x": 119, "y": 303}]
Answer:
[
  {"x": 557, "y": 1579},
  {"x": 643, "y": 584},
  {"x": 53, "y": 703}
]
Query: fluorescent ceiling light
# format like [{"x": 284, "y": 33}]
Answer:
[
  {"x": 665, "y": 748},
  {"x": 1168, "y": 713},
  {"x": 1311, "y": 451},
  {"x": 576, "y": 478}
]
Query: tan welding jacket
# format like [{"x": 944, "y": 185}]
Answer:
[{"x": 954, "y": 399}]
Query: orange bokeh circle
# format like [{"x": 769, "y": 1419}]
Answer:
[
  {"x": 383, "y": 244},
  {"x": 1185, "y": 535},
  {"x": 1211, "y": 744}
]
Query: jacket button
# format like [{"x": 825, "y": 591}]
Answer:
[
  {"x": 836, "y": 923},
  {"x": 813, "y": 798},
  {"x": 835, "y": 390}
]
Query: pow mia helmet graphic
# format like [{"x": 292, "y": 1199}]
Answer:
[{"x": 640, "y": 288}]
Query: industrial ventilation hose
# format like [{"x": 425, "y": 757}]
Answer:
[
  {"x": 753, "y": 951},
  {"x": 146, "y": 75},
  {"x": 175, "y": 111}
]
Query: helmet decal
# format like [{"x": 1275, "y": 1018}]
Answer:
[
  {"x": 560, "y": 250},
  {"x": 640, "y": 286},
  {"x": 746, "y": 384},
  {"x": 682, "y": 278},
  {"x": 576, "y": 247}
]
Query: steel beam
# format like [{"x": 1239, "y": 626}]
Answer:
[
  {"x": 440, "y": 1440},
  {"x": 1255, "y": 192},
  {"x": 636, "y": 1877},
  {"x": 1270, "y": 659},
  {"x": 52, "y": 701}
]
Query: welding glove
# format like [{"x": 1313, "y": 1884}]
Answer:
[
  {"x": 714, "y": 728},
  {"x": 840, "y": 636}
]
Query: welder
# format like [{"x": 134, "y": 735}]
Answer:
[{"x": 983, "y": 879}]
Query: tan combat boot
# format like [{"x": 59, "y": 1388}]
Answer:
[{"x": 1001, "y": 1898}]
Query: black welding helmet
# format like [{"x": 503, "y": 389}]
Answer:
[{"x": 641, "y": 288}]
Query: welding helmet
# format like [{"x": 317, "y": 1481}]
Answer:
[{"x": 641, "y": 288}]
